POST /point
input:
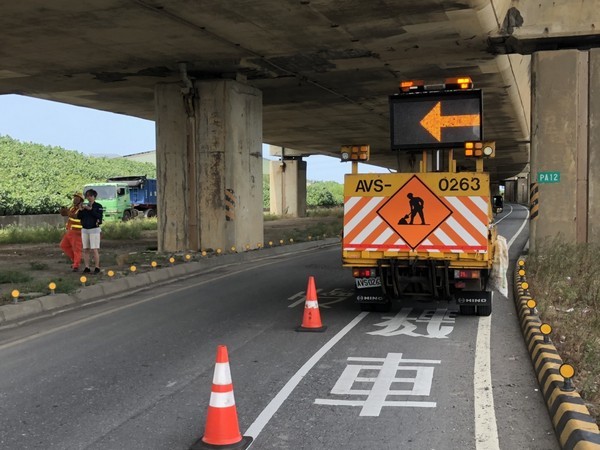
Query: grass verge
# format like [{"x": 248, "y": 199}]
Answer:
[
  {"x": 565, "y": 282},
  {"x": 48, "y": 235}
]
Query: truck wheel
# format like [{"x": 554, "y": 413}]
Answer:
[
  {"x": 467, "y": 310},
  {"x": 126, "y": 216},
  {"x": 369, "y": 307},
  {"x": 384, "y": 307},
  {"x": 150, "y": 213},
  {"x": 484, "y": 310}
]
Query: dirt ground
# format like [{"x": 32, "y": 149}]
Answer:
[{"x": 44, "y": 263}]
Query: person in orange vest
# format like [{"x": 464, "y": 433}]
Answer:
[{"x": 71, "y": 241}]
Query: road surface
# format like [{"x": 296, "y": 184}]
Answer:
[{"x": 136, "y": 372}]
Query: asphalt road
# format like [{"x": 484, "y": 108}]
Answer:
[{"x": 136, "y": 373}]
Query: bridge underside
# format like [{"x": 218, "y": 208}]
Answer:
[
  {"x": 220, "y": 77},
  {"x": 325, "y": 69}
]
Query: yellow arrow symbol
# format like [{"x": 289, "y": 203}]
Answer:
[{"x": 433, "y": 122}]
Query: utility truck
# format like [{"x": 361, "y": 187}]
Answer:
[
  {"x": 428, "y": 233},
  {"x": 126, "y": 197}
]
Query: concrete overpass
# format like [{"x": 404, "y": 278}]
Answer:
[{"x": 219, "y": 78}]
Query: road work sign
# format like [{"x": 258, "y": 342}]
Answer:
[
  {"x": 440, "y": 119},
  {"x": 429, "y": 212}
]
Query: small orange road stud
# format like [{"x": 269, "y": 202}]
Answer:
[
  {"x": 222, "y": 430},
  {"x": 312, "y": 317}
]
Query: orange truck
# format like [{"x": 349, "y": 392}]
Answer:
[{"x": 422, "y": 234}]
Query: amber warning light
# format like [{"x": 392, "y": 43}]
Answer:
[
  {"x": 412, "y": 86},
  {"x": 459, "y": 83},
  {"x": 480, "y": 149},
  {"x": 355, "y": 153}
]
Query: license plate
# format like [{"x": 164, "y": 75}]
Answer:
[{"x": 362, "y": 283}]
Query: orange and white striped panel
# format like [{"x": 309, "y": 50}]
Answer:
[{"x": 464, "y": 231}]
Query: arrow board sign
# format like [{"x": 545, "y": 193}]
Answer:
[{"x": 440, "y": 119}]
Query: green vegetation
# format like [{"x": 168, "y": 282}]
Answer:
[
  {"x": 14, "y": 234},
  {"x": 14, "y": 277},
  {"x": 39, "y": 179},
  {"x": 564, "y": 281},
  {"x": 324, "y": 194},
  {"x": 266, "y": 192},
  {"x": 48, "y": 235},
  {"x": 129, "y": 230}
]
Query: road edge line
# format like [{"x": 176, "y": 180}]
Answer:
[{"x": 265, "y": 416}]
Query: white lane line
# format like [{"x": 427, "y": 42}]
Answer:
[
  {"x": 267, "y": 413},
  {"x": 509, "y": 213},
  {"x": 525, "y": 222},
  {"x": 486, "y": 431}
]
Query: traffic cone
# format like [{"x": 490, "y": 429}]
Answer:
[
  {"x": 222, "y": 430},
  {"x": 312, "y": 317}
]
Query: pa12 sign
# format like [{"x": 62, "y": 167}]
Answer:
[{"x": 548, "y": 177}]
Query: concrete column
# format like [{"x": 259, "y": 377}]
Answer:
[
  {"x": 562, "y": 135},
  {"x": 288, "y": 188},
  {"x": 172, "y": 174},
  {"x": 522, "y": 194},
  {"x": 510, "y": 191},
  {"x": 209, "y": 165},
  {"x": 594, "y": 149}
]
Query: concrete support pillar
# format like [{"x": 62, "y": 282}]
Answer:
[
  {"x": 594, "y": 148},
  {"x": 288, "y": 188},
  {"x": 565, "y": 138},
  {"x": 522, "y": 193},
  {"x": 209, "y": 166}
]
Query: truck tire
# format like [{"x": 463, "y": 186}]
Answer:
[
  {"x": 149, "y": 213},
  {"x": 484, "y": 310},
  {"x": 467, "y": 310},
  {"x": 126, "y": 215},
  {"x": 377, "y": 307}
]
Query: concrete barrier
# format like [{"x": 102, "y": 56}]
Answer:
[
  {"x": 575, "y": 428},
  {"x": 53, "y": 220}
]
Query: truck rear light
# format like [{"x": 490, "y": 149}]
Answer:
[
  {"x": 362, "y": 273},
  {"x": 466, "y": 274}
]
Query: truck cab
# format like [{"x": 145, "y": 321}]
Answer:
[{"x": 114, "y": 198}]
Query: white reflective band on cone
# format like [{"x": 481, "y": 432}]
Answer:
[
  {"x": 222, "y": 374},
  {"x": 222, "y": 399},
  {"x": 311, "y": 304}
]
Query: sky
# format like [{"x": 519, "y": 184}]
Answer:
[{"x": 94, "y": 133}]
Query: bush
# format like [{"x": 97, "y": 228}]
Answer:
[
  {"x": 320, "y": 194},
  {"x": 39, "y": 179}
]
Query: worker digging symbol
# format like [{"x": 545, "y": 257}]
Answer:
[
  {"x": 423, "y": 203},
  {"x": 416, "y": 207}
]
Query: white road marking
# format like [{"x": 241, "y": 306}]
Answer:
[
  {"x": 274, "y": 405},
  {"x": 509, "y": 213},
  {"x": 486, "y": 431},
  {"x": 382, "y": 384},
  {"x": 520, "y": 229}
]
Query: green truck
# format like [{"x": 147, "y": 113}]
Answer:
[{"x": 126, "y": 197}]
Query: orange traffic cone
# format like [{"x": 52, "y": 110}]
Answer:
[
  {"x": 222, "y": 429},
  {"x": 312, "y": 317}
]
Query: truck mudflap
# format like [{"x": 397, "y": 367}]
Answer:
[
  {"x": 373, "y": 299},
  {"x": 475, "y": 302},
  {"x": 474, "y": 298}
]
